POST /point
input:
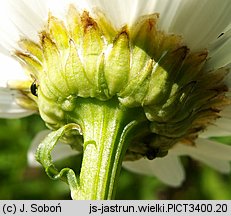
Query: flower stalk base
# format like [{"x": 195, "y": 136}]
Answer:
[{"x": 107, "y": 130}]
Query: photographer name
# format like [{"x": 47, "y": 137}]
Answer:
[{"x": 43, "y": 208}]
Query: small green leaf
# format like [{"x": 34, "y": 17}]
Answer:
[{"x": 43, "y": 156}]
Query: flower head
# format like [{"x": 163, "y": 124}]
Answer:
[{"x": 167, "y": 60}]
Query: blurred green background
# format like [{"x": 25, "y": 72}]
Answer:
[{"x": 18, "y": 181}]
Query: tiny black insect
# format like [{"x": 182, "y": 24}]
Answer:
[
  {"x": 34, "y": 89},
  {"x": 152, "y": 153},
  {"x": 221, "y": 34}
]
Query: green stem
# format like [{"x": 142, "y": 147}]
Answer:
[{"x": 107, "y": 130}]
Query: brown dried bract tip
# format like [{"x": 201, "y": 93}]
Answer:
[
  {"x": 87, "y": 21},
  {"x": 123, "y": 32},
  {"x": 152, "y": 21},
  {"x": 43, "y": 37}
]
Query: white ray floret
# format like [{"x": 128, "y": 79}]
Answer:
[
  {"x": 168, "y": 169},
  {"x": 8, "y": 104}
]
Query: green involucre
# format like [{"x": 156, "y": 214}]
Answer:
[{"x": 140, "y": 66}]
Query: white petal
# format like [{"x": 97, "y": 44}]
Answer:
[
  {"x": 168, "y": 169},
  {"x": 60, "y": 151},
  {"x": 166, "y": 8},
  {"x": 219, "y": 52},
  {"x": 204, "y": 147},
  {"x": 21, "y": 18},
  {"x": 9, "y": 107},
  {"x": 212, "y": 153},
  {"x": 201, "y": 22},
  {"x": 3, "y": 50},
  {"x": 214, "y": 131},
  {"x": 120, "y": 12},
  {"x": 59, "y": 9},
  {"x": 11, "y": 70},
  {"x": 224, "y": 123},
  {"x": 226, "y": 112},
  {"x": 221, "y": 127},
  {"x": 214, "y": 149}
]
